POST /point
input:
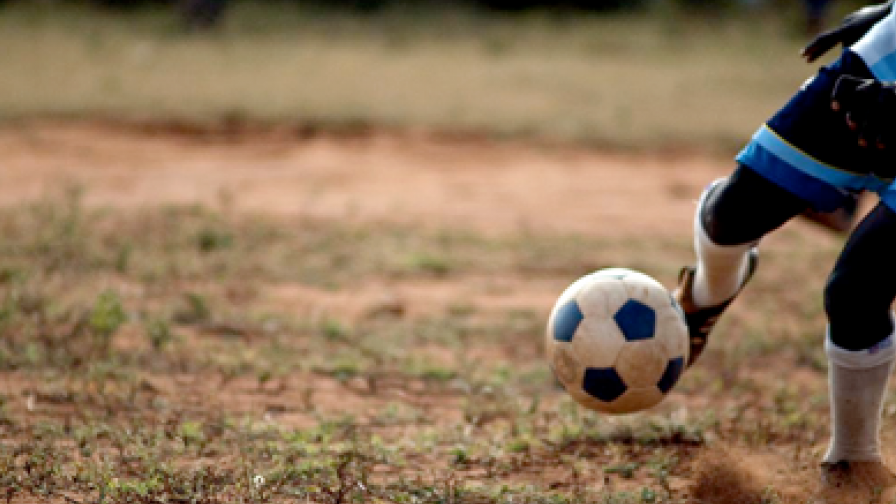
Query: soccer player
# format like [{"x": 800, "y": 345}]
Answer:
[
  {"x": 840, "y": 220},
  {"x": 835, "y": 138}
]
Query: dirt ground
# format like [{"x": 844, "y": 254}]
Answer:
[
  {"x": 410, "y": 178},
  {"x": 417, "y": 178}
]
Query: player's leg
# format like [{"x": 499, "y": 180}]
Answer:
[
  {"x": 839, "y": 221},
  {"x": 732, "y": 215},
  {"x": 805, "y": 156},
  {"x": 861, "y": 351}
]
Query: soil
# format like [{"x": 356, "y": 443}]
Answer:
[{"x": 413, "y": 178}]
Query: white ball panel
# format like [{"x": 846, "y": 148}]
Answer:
[
  {"x": 634, "y": 400},
  {"x": 601, "y": 297},
  {"x": 658, "y": 297},
  {"x": 590, "y": 402},
  {"x": 597, "y": 342},
  {"x": 642, "y": 363},
  {"x": 638, "y": 287},
  {"x": 593, "y": 298},
  {"x": 647, "y": 290},
  {"x": 672, "y": 333},
  {"x": 566, "y": 367}
]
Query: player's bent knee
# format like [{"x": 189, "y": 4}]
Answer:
[
  {"x": 721, "y": 215},
  {"x": 744, "y": 207}
]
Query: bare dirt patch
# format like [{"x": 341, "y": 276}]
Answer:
[
  {"x": 418, "y": 178},
  {"x": 449, "y": 388}
]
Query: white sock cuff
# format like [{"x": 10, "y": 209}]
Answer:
[
  {"x": 881, "y": 353},
  {"x": 704, "y": 242}
]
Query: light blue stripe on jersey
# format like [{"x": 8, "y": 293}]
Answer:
[
  {"x": 811, "y": 166},
  {"x": 820, "y": 194},
  {"x": 885, "y": 69},
  {"x": 821, "y": 184},
  {"x": 877, "y": 48}
]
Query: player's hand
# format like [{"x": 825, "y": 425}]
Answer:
[
  {"x": 869, "y": 108},
  {"x": 851, "y": 29}
]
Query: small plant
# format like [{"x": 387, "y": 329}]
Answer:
[
  {"x": 191, "y": 433},
  {"x": 123, "y": 257},
  {"x": 106, "y": 317},
  {"x": 159, "y": 333},
  {"x": 195, "y": 311},
  {"x": 625, "y": 470},
  {"x": 334, "y": 330},
  {"x": 429, "y": 263},
  {"x": 210, "y": 239}
]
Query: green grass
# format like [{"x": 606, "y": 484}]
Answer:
[
  {"x": 172, "y": 354},
  {"x": 176, "y": 375},
  {"x": 627, "y": 80},
  {"x": 156, "y": 355}
]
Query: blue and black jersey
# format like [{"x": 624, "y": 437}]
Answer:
[{"x": 807, "y": 148}]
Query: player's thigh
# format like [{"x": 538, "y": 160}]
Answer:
[{"x": 746, "y": 206}]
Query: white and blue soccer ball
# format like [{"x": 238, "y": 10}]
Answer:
[{"x": 617, "y": 341}]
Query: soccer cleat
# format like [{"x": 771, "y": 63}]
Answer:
[
  {"x": 859, "y": 482},
  {"x": 699, "y": 320}
]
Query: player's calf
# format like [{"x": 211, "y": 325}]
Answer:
[{"x": 706, "y": 290}]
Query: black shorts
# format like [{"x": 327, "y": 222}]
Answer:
[{"x": 808, "y": 149}]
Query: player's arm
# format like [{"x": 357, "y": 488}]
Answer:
[
  {"x": 869, "y": 108},
  {"x": 851, "y": 29}
]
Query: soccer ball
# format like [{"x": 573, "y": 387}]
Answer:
[{"x": 617, "y": 341}]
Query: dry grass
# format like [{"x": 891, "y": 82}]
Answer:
[
  {"x": 180, "y": 354},
  {"x": 625, "y": 80},
  {"x": 154, "y": 355}
]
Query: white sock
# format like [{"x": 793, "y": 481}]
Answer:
[
  {"x": 721, "y": 269},
  {"x": 858, "y": 381}
]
